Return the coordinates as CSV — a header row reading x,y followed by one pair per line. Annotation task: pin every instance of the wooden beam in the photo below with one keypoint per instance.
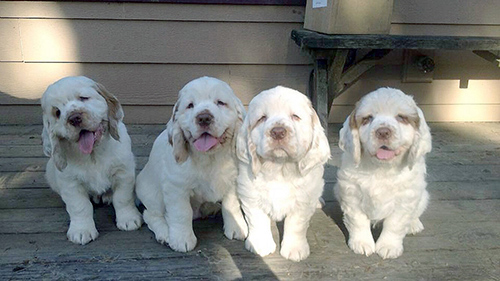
x,y
489,56
311,39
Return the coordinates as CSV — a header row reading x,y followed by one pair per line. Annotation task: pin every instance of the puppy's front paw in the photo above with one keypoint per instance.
x,y
389,249
295,251
233,230
181,242
261,246
129,219
362,246
82,234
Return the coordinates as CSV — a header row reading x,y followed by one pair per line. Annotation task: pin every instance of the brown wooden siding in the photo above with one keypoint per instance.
x,y
145,52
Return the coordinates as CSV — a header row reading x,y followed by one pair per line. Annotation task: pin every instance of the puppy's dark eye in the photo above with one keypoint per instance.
x,y
402,118
56,112
366,120
262,119
191,105
221,103
296,117
83,98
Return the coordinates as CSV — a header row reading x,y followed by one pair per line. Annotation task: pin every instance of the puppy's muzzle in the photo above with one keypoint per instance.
x,y
278,133
75,119
383,133
204,119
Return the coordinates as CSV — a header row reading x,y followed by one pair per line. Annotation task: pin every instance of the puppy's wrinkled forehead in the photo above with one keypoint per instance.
x,y
69,89
205,89
279,101
387,102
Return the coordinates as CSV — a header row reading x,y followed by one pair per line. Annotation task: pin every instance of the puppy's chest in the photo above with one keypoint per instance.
x,y
213,183
379,197
277,198
96,180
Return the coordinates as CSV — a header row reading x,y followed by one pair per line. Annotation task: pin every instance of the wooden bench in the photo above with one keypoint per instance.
x,y
330,52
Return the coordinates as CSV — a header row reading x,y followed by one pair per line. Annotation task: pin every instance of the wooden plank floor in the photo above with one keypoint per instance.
x,y
460,242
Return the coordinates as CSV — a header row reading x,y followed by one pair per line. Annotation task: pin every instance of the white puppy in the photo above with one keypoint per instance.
x,y
194,161
90,154
382,175
282,148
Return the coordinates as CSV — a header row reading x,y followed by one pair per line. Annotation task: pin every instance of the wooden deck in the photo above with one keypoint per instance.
x,y
461,240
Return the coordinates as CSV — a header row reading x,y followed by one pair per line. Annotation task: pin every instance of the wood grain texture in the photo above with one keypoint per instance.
x,y
460,240
98,41
310,39
145,84
150,11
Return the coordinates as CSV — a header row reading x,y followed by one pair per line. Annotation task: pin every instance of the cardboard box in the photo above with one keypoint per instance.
x,y
349,16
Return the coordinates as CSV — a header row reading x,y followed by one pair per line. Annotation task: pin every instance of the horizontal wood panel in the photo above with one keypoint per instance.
x,y
145,84
445,29
449,11
150,11
10,41
158,42
405,11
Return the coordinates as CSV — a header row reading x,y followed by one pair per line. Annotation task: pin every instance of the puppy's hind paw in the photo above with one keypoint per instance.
x,y
416,226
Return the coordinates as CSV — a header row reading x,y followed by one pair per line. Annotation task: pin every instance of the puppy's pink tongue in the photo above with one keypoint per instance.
x,y
86,142
205,142
385,154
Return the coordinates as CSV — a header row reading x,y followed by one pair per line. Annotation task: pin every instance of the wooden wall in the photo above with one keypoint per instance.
x,y
145,52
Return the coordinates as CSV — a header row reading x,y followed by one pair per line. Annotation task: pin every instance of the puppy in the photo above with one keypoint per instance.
x,y
282,148
90,154
382,175
194,161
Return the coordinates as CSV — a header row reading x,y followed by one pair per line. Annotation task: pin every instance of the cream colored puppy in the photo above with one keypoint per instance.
x,y
382,175
282,149
90,154
194,161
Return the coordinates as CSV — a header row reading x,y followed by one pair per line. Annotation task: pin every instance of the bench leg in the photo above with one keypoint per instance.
x,y
319,95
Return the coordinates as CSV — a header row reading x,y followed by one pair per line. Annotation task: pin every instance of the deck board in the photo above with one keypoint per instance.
x,y
460,241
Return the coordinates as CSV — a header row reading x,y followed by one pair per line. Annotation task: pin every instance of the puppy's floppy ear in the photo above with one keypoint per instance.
x,y
349,137
176,137
46,142
422,143
246,149
319,152
115,111
240,111
53,146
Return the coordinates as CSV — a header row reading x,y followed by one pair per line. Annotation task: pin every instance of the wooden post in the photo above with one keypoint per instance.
x,y
319,97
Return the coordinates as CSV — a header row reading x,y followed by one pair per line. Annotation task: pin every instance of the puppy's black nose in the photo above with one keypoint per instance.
x,y
278,133
383,133
75,119
204,119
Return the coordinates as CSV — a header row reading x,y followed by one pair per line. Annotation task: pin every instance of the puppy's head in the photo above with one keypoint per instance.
x,y
206,117
281,126
386,127
77,112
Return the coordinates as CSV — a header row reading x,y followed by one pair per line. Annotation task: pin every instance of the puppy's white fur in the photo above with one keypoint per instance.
x,y
178,177
107,165
281,178
382,175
